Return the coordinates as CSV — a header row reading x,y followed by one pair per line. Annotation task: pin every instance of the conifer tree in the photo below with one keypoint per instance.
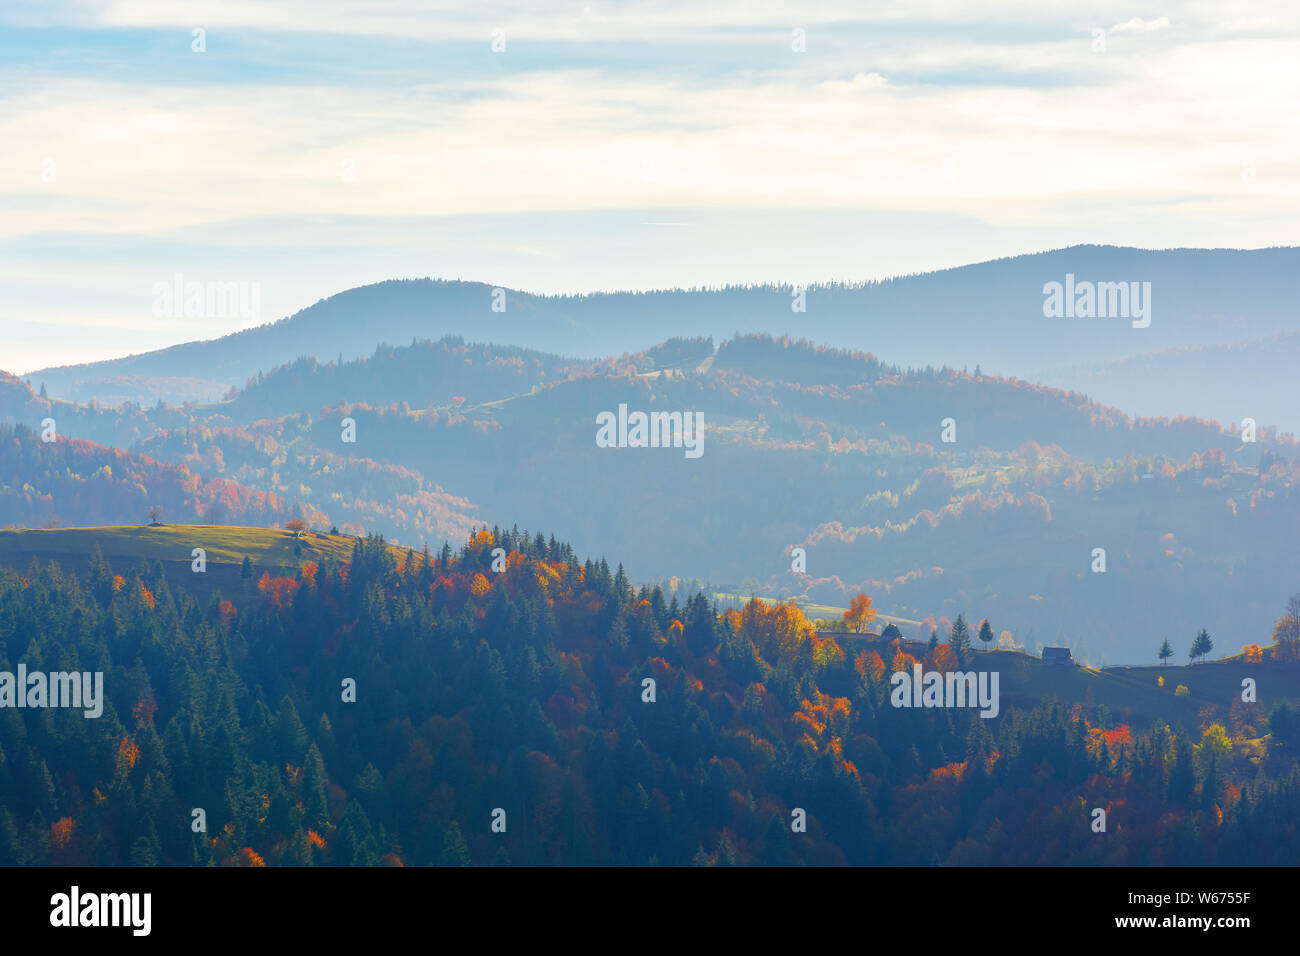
x,y
959,640
1166,652
455,852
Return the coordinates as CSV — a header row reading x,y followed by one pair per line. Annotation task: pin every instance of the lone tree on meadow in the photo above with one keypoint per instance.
x,y
986,633
1286,632
1166,652
1202,645
154,514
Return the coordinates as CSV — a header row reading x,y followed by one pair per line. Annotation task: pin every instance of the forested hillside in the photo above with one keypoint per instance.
x,y
525,691
76,482
420,376
933,489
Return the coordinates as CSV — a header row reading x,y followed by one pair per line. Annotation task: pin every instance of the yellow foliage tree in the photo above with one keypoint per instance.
x,y
790,628
902,661
1214,741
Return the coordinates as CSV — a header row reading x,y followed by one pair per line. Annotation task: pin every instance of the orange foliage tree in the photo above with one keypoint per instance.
x,y
870,666
860,615
128,752
941,659
228,614
61,832
279,590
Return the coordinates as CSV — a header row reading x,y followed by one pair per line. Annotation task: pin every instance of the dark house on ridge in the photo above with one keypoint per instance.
x,y
1058,655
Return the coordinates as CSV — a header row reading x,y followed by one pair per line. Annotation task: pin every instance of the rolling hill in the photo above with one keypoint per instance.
x,y
170,550
829,450
72,481
989,314
1254,379
1129,693
372,712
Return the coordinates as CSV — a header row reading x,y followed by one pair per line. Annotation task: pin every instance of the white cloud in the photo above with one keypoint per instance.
x,y
1138,25
1168,128
530,20
859,83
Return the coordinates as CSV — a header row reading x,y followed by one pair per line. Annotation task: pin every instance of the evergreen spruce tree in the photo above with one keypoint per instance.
x,y
1166,652
455,852
959,640
314,783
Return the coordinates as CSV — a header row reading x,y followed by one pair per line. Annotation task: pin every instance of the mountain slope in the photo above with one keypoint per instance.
x,y
989,314
387,709
1256,379
71,481
352,324
832,451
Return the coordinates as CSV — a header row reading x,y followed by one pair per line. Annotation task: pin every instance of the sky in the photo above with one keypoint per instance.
x,y
304,147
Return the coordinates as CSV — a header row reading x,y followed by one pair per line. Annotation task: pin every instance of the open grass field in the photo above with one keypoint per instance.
x,y
224,544
1137,689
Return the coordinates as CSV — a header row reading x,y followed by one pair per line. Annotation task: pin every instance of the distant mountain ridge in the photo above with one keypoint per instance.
x,y
989,314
